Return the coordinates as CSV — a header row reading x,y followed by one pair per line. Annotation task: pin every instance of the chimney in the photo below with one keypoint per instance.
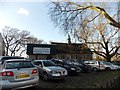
x,y
69,39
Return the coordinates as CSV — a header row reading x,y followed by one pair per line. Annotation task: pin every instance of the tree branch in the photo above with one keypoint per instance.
x,y
100,53
96,43
115,52
107,16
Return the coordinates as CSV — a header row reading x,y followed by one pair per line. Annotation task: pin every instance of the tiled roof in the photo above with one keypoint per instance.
x,y
72,48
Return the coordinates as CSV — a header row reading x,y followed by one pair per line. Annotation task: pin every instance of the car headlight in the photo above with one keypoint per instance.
x,y
53,72
72,68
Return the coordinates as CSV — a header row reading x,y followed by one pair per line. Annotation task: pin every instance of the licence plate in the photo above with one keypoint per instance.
x,y
22,76
56,74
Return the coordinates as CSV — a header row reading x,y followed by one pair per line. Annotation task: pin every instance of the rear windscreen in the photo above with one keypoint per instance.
x,y
19,64
7,58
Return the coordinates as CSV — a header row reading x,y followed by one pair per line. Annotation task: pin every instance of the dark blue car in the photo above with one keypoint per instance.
x,y
69,66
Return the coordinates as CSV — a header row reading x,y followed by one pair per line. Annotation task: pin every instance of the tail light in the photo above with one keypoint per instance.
x,y
34,71
7,73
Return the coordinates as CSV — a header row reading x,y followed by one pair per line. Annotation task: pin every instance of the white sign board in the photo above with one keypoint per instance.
x,y
39,50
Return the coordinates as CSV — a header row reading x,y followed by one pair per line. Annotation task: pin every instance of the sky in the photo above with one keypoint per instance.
x,y
30,16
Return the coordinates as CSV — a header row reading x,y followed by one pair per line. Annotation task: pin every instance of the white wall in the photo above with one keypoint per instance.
x,y
2,45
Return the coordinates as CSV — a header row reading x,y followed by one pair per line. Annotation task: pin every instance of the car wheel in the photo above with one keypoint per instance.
x,y
45,76
95,69
108,69
80,69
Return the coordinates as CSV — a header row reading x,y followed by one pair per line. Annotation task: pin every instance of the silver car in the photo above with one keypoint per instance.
x,y
18,73
111,66
49,70
95,65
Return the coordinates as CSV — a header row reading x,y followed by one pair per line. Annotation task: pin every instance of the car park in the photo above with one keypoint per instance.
x,y
18,74
68,65
49,70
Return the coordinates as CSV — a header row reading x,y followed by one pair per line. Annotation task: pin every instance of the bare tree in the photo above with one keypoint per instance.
x,y
101,41
16,40
69,15
31,40
90,23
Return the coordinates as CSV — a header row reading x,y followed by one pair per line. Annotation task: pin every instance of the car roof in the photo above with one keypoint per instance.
x,y
59,60
11,57
16,60
42,60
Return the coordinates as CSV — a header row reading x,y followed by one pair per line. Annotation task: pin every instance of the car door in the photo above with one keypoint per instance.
x,y
39,65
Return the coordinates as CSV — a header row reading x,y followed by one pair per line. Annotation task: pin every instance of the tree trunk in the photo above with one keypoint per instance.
x,y
108,58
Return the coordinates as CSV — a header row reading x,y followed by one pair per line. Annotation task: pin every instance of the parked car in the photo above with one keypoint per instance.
x,y
95,65
68,65
49,70
3,58
111,66
18,74
116,62
82,65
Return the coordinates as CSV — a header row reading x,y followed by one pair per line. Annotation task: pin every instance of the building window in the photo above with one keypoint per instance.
x,y
58,56
76,56
72,56
82,57
62,56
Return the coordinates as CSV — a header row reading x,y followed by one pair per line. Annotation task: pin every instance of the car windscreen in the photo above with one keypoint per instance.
x,y
58,62
68,62
49,63
80,61
19,64
107,63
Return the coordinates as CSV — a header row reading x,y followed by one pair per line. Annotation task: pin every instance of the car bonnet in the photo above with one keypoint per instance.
x,y
56,68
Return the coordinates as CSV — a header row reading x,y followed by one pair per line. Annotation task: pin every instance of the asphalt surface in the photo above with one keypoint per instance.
x,y
73,81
